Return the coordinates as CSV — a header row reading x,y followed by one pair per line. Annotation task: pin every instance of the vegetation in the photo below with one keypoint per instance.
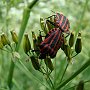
x,y
22,25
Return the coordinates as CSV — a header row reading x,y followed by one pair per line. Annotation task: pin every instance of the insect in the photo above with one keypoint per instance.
x,y
51,44
61,22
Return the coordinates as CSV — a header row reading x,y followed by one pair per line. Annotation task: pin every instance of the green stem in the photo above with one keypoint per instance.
x,y
48,83
61,68
10,74
77,85
64,72
74,75
81,18
28,73
51,82
16,84
55,72
25,19
74,55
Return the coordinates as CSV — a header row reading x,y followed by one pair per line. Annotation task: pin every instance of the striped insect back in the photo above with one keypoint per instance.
x,y
57,24
60,21
51,43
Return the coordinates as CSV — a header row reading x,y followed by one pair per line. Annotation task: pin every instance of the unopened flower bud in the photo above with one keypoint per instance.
x,y
14,36
63,44
49,63
52,18
35,63
71,40
39,38
35,46
43,25
80,86
78,45
67,50
1,44
5,39
79,34
26,44
33,35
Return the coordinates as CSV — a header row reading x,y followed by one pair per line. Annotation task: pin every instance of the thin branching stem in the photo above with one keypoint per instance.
x,y
51,82
25,19
64,72
77,85
55,72
74,55
87,63
60,85
48,76
81,18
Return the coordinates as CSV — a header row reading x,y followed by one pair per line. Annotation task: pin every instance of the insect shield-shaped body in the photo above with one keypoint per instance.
x,y
61,22
51,44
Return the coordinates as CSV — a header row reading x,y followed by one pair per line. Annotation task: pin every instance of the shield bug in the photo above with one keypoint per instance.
x,y
51,44
60,21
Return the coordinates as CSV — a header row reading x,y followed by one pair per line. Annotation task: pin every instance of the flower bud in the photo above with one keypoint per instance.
x,y
5,39
39,38
63,44
71,40
67,50
49,63
52,18
26,44
35,63
79,34
14,36
43,25
80,86
34,41
1,44
33,35
35,44
78,45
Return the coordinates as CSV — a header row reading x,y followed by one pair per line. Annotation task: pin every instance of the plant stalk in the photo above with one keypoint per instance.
x,y
74,75
81,18
25,19
64,72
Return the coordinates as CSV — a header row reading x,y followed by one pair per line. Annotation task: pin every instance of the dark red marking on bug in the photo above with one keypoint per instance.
x,y
61,22
58,45
51,43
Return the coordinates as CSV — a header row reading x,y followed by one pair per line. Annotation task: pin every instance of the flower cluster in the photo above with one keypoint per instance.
x,y
56,30
4,41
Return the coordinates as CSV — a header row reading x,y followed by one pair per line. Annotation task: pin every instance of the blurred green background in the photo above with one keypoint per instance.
x,y
78,13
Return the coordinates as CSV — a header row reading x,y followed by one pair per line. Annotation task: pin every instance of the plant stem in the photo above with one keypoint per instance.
x,y
10,74
81,18
74,55
77,85
55,72
51,82
25,19
74,75
61,68
28,73
64,72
